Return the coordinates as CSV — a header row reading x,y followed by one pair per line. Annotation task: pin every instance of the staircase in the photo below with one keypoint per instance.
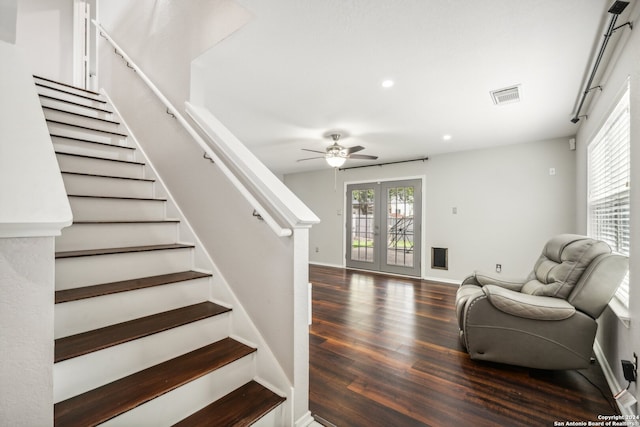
x,y
137,341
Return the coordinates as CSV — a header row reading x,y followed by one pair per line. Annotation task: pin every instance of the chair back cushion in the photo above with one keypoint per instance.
x,y
599,283
563,261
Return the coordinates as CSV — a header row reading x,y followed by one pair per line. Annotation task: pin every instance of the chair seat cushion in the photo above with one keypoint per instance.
x,y
528,306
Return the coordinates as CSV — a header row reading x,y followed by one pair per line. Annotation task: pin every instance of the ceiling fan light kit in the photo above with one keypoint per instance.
x,y
335,160
336,155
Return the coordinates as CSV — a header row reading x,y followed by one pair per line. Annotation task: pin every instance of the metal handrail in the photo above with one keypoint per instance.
x,y
209,153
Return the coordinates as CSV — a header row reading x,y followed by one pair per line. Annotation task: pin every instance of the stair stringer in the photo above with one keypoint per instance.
x,y
268,371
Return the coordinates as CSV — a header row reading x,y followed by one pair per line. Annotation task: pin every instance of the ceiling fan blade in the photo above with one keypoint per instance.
x,y
313,151
354,149
309,158
362,157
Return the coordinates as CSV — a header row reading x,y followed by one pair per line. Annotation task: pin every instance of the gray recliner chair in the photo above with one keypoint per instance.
x,y
547,321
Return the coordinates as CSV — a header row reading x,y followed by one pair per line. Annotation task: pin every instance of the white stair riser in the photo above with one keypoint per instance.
x,y
82,121
91,209
275,418
112,235
99,166
84,315
80,109
80,374
176,405
75,96
92,270
103,186
74,132
71,146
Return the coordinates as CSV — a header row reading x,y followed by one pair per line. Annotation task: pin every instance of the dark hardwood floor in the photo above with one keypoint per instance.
x,y
384,351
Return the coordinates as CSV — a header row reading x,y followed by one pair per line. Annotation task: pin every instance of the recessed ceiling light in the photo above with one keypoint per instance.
x,y
446,137
388,83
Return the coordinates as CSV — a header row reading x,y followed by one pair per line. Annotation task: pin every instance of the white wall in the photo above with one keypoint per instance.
x,y
33,204
45,32
243,247
248,254
26,331
616,340
508,205
163,38
32,196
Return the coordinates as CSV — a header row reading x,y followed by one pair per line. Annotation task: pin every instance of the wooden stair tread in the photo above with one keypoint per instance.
x,y
110,400
107,176
98,339
122,250
242,407
133,162
76,294
66,84
73,113
86,127
53,135
66,101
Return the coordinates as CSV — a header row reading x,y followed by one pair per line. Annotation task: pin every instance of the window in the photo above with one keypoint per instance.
x,y
609,196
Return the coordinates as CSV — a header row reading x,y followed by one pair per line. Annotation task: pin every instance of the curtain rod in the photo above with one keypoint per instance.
x,y
615,10
387,163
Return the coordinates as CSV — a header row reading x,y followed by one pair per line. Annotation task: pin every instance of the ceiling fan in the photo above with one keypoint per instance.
x,y
336,155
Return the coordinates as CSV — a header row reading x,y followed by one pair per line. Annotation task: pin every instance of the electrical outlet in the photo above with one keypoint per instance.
x,y
317,249
629,371
498,268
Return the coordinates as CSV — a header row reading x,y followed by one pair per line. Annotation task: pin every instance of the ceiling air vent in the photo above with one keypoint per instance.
x,y
507,95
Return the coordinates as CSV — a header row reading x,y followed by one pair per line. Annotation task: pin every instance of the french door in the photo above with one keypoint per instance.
x,y
384,226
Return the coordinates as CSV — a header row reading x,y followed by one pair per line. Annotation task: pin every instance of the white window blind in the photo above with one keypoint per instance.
x,y
609,180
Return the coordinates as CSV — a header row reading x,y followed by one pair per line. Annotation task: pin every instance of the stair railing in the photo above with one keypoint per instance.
x,y
274,192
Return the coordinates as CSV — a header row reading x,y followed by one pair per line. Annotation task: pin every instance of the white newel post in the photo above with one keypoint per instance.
x,y
301,414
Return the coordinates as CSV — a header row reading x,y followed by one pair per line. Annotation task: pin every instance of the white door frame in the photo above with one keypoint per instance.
x,y
84,44
422,178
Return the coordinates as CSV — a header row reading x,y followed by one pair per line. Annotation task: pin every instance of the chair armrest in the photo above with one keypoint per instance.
x,y
528,306
484,279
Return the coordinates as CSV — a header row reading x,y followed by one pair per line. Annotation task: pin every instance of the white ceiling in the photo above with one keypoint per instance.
x,y
301,68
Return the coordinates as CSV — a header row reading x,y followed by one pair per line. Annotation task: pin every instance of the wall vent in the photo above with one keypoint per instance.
x,y
507,95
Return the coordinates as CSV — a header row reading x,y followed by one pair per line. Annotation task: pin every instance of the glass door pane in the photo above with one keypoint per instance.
x,y
362,228
402,218
400,233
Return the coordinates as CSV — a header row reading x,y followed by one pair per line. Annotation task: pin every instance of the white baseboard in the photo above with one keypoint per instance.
x,y
614,386
443,280
325,264
431,279
306,420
